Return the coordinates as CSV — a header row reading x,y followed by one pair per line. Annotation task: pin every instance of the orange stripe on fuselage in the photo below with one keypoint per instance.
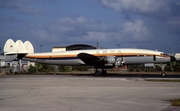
x,y
98,55
49,56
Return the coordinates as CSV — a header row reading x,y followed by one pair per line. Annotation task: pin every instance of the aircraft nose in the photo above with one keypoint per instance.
x,y
172,58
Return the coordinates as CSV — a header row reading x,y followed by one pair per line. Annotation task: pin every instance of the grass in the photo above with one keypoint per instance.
x,y
163,80
175,102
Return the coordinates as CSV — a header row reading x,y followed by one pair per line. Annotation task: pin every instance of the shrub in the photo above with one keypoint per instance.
x,y
32,69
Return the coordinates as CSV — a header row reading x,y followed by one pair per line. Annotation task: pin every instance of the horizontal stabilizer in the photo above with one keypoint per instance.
x,y
9,58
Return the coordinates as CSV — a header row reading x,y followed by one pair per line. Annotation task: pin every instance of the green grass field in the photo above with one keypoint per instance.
x,y
175,102
163,80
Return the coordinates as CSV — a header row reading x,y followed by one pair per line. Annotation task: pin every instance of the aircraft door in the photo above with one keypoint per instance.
x,y
154,58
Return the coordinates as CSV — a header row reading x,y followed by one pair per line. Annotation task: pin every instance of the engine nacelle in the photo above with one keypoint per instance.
x,y
110,59
119,62
113,60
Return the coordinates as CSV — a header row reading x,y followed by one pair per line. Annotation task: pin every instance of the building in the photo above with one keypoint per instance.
x,y
177,56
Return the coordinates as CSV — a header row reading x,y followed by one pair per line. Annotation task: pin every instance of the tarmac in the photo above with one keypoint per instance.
x,y
83,92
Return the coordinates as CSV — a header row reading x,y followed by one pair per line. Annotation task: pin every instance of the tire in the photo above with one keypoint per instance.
x,y
104,72
97,73
163,74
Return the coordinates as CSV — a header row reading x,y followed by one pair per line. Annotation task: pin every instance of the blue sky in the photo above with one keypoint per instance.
x,y
149,24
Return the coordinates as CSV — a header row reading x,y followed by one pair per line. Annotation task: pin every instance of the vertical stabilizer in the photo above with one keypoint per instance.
x,y
29,47
21,48
10,47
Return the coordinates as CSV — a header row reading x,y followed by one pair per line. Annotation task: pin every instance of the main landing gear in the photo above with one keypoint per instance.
x,y
99,73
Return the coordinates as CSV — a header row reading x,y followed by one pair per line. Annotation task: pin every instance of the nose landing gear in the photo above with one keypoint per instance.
x,y
163,72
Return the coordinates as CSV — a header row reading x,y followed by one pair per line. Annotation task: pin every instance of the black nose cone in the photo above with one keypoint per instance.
x,y
172,58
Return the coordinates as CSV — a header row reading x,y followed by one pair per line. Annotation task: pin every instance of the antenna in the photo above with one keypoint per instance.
x,y
97,43
118,45
40,48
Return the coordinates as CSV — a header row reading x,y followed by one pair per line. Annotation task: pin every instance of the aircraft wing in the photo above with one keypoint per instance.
x,y
89,59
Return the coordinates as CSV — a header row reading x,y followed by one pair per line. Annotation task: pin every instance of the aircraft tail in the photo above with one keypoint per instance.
x,y
18,48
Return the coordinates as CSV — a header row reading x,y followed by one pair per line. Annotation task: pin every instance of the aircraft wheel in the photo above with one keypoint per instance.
x,y
104,72
163,74
97,73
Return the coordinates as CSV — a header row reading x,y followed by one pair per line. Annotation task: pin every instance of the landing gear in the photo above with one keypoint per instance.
x,y
98,73
103,72
163,72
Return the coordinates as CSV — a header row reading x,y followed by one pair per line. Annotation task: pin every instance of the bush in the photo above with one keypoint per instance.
x,y
32,69
44,67
80,68
63,68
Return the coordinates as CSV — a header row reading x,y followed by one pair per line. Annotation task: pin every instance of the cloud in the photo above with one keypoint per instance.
x,y
152,19
83,29
77,26
136,31
21,6
156,8
75,20
41,34
93,36
137,6
149,22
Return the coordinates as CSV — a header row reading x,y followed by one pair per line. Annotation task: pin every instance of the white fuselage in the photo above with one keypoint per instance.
x,y
127,56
